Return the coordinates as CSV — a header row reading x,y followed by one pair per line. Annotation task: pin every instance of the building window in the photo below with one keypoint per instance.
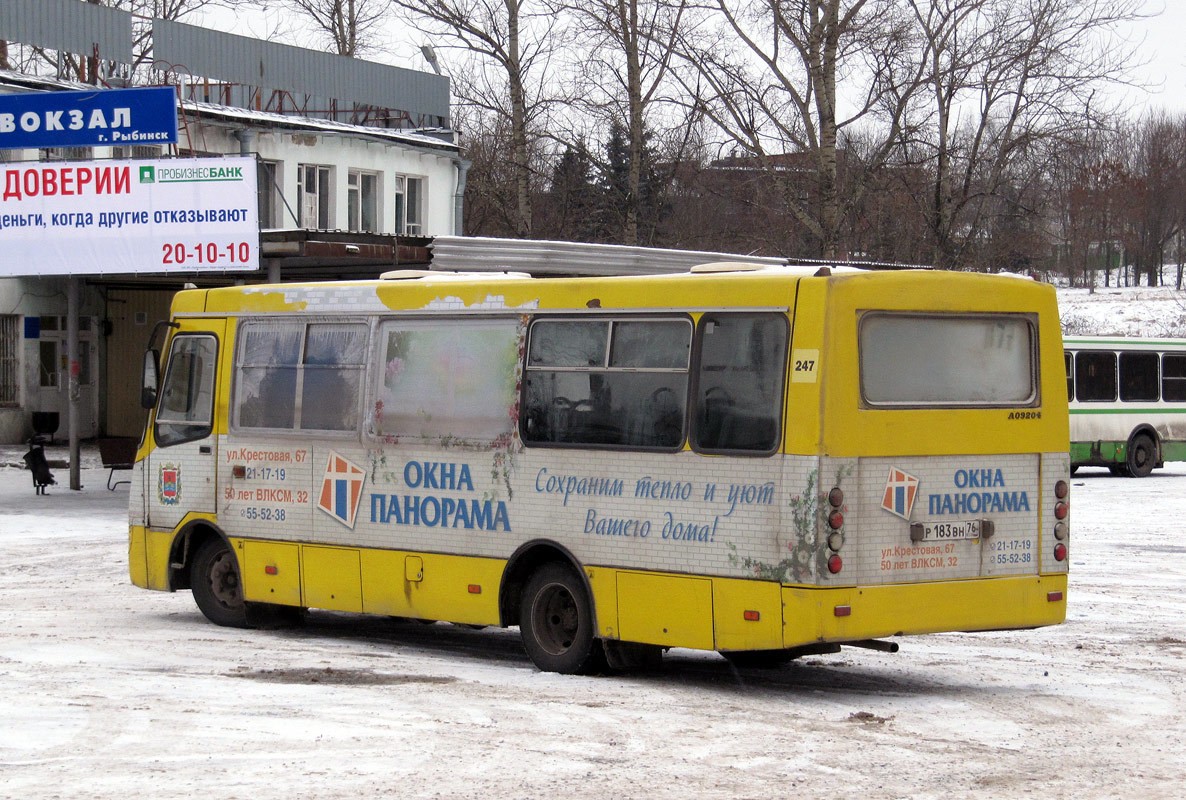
x,y
313,189
409,205
67,153
10,387
268,190
362,189
137,151
51,351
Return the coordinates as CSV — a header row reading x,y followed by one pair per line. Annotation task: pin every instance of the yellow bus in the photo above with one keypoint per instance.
x,y
762,461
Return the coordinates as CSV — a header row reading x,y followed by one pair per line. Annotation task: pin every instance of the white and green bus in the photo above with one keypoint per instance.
x,y
1127,402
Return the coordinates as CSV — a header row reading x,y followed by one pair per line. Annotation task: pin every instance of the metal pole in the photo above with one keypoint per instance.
x,y
73,371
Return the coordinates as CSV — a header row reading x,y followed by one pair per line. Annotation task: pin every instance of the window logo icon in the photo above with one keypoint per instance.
x,y
901,489
341,489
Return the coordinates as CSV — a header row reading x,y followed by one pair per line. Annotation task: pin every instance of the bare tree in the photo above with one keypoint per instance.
x,y
501,52
627,47
351,26
1005,81
1153,195
768,75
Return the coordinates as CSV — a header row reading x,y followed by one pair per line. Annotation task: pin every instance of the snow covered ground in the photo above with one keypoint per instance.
x,y
108,691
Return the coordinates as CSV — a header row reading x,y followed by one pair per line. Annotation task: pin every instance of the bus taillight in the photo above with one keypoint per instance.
x,y
1060,509
835,563
1060,552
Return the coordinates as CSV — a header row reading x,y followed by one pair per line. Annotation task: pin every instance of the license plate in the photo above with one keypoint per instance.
x,y
945,531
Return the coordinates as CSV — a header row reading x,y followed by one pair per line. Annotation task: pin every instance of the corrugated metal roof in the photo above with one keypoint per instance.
x,y
474,254
69,25
269,65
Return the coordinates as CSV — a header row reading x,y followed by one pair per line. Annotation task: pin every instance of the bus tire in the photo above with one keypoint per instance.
x,y
214,580
556,622
1142,455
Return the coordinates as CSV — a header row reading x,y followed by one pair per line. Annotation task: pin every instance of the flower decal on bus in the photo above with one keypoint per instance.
x,y
341,489
901,489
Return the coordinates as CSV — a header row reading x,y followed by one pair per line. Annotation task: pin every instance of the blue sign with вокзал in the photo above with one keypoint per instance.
x,y
102,117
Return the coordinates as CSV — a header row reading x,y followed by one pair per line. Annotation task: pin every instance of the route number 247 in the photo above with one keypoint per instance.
x,y
804,365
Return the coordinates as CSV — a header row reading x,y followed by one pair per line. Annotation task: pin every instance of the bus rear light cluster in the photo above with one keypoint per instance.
x,y
835,535
1062,507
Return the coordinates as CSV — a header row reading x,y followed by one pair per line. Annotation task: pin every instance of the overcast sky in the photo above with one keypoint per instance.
x,y
1163,38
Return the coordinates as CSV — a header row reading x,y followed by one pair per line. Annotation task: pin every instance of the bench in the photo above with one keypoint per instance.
x,y
117,452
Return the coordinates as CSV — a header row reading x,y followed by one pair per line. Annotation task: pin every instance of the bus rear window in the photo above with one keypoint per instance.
x,y
950,360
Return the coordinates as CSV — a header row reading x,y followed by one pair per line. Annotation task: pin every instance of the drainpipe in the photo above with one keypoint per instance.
x,y
246,141
459,197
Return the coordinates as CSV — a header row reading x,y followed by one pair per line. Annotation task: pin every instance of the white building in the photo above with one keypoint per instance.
x,y
336,199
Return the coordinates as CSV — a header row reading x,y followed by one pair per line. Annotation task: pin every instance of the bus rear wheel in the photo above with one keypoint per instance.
x,y
214,580
556,622
1142,456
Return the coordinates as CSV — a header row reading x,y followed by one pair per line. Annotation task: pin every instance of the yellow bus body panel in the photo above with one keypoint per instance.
x,y
455,588
138,557
270,571
331,578
668,610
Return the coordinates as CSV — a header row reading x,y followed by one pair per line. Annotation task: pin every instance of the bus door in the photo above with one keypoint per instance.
x,y
180,473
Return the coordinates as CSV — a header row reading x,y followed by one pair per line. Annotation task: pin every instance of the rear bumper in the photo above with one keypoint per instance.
x,y
839,615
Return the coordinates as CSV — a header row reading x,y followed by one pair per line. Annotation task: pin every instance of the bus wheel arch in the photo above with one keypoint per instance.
x,y
526,560
216,583
185,545
547,594
1143,452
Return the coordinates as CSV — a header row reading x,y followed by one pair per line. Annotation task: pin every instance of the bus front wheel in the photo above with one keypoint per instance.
x,y
214,579
556,622
1142,456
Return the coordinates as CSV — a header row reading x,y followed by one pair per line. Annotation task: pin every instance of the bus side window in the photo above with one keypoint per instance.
x,y
1068,362
332,372
299,375
1095,376
1173,378
739,382
187,394
614,382
265,380
1139,380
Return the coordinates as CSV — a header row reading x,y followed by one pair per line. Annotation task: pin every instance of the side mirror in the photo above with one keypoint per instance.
x,y
149,379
